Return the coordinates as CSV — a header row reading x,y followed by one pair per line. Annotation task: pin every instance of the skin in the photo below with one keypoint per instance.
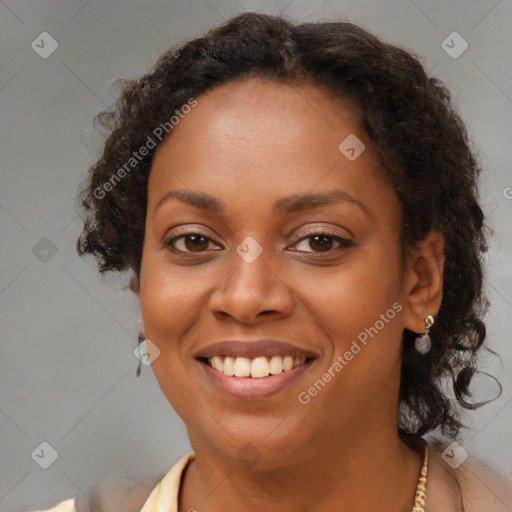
x,y
248,145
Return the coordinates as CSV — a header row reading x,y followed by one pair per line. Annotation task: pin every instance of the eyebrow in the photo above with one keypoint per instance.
x,y
285,205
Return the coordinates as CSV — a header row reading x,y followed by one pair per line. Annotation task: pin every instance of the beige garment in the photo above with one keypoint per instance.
x,y
163,498
63,506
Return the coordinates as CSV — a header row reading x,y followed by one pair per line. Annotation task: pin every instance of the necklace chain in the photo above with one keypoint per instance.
x,y
421,490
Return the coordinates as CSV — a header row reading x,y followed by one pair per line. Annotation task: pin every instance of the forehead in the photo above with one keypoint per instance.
x,y
253,112
252,137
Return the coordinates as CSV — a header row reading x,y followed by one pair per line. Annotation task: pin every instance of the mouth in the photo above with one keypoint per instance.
x,y
258,367
254,369
260,385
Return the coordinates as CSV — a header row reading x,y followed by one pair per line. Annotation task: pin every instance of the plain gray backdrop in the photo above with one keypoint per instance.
x,y
67,368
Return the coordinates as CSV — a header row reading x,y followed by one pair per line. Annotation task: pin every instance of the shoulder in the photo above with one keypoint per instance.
x,y
131,494
467,484
483,488
121,492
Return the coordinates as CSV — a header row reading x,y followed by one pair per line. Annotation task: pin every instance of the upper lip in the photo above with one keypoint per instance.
x,y
254,348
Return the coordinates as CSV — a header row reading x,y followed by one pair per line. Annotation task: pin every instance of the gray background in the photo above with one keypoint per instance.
x,y
67,368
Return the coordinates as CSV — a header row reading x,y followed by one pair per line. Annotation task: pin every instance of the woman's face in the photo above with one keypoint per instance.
x,y
246,263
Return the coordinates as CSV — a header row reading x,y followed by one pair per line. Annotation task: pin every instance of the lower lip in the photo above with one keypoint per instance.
x,y
249,388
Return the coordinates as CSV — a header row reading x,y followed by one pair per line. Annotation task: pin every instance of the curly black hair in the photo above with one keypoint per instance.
x,y
419,138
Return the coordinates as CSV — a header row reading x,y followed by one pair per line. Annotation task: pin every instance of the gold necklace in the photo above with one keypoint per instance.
x,y
421,490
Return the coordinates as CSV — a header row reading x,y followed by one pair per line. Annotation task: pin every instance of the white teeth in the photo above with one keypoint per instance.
x,y
276,365
287,363
229,366
259,368
242,367
216,363
256,368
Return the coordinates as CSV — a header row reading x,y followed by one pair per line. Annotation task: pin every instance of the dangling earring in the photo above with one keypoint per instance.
x,y
140,338
422,342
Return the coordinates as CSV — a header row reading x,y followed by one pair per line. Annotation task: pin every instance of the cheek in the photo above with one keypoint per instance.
x,y
166,294
162,303
166,301
360,302
362,290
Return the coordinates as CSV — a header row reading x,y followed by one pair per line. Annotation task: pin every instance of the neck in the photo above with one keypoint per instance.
x,y
372,471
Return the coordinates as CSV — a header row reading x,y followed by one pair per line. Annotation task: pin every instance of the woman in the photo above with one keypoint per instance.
x,y
298,207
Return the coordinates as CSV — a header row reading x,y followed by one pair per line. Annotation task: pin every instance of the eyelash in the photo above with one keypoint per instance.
x,y
344,243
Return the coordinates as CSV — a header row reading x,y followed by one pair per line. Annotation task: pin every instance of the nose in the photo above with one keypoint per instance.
x,y
251,290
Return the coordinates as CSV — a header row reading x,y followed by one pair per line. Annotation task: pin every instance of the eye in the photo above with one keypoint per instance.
x,y
191,242
323,241
320,242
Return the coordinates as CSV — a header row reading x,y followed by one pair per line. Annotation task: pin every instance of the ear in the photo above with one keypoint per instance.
x,y
423,282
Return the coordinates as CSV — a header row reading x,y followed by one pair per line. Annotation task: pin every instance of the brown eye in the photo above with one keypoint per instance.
x,y
198,242
320,242
190,242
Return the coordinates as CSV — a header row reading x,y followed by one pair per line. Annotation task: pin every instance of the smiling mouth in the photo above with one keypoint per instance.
x,y
256,367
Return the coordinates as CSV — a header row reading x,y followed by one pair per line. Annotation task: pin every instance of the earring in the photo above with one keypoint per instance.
x,y
140,338
422,342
